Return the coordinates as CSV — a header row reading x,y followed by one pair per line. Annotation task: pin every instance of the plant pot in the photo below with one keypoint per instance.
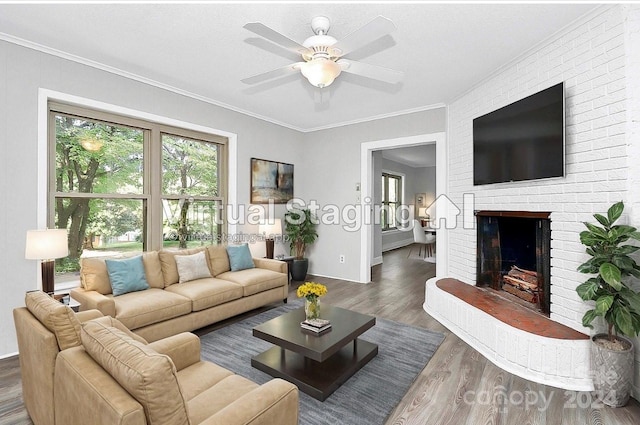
x,y
612,371
299,269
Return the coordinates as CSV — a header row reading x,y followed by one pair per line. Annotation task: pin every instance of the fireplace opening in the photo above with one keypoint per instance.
x,y
514,256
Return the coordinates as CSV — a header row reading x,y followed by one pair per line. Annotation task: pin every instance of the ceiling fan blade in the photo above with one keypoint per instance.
x,y
372,31
275,37
387,75
270,75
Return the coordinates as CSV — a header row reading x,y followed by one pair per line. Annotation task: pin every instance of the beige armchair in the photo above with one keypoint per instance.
x,y
44,328
114,378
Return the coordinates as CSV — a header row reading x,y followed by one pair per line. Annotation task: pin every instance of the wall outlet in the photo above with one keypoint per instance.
x,y
341,258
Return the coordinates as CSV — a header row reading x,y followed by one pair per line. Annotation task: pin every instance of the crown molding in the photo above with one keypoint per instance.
x,y
377,117
117,71
129,75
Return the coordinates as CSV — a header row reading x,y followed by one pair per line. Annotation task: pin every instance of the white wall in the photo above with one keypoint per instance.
x,y
331,159
22,73
590,58
416,180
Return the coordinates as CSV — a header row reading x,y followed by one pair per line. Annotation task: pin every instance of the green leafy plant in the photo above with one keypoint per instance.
x,y
610,262
300,227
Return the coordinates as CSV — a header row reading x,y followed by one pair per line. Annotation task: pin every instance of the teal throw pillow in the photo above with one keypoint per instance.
x,y
240,257
127,275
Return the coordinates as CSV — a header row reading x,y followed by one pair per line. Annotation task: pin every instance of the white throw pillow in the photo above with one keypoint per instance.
x,y
192,267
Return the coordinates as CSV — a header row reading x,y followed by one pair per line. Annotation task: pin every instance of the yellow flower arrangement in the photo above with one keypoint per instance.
x,y
311,290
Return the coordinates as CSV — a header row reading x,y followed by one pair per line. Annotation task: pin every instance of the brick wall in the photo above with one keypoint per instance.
x,y
589,56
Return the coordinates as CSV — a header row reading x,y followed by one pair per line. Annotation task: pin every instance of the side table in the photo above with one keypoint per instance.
x,y
74,304
289,260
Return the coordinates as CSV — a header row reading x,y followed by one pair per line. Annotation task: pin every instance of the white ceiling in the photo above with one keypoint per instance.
x,y
414,156
202,49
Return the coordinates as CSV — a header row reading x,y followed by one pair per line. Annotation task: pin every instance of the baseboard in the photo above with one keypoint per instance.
x,y
6,356
376,261
334,277
396,245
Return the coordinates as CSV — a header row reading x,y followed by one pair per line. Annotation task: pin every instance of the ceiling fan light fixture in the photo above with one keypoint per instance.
x,y
320,71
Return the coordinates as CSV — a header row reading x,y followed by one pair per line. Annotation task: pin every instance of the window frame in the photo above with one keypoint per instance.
x,y
151,195
386,175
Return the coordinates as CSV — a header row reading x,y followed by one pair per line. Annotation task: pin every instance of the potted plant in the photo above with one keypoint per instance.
x,y
615,301
300,228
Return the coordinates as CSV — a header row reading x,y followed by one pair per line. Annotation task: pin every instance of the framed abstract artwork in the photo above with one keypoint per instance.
x,y
271,181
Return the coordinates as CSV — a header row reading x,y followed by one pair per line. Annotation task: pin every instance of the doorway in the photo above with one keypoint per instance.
x,y
367,188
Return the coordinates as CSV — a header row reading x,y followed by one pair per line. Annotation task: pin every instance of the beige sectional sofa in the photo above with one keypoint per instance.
x,y
87,368
169,307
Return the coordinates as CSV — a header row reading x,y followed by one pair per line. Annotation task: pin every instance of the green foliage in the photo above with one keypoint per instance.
x,y
300,227
97,158
616,302
189,167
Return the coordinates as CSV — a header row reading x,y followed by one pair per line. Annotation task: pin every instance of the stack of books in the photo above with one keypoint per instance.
x,y
316,326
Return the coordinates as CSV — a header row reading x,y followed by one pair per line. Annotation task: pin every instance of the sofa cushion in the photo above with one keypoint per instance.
x,y
219,396
148,376
255,280
205,293
168,263
218,259
138,309
199,376
126,275
192,267
95,277
153,269
115,323
56,317
240,257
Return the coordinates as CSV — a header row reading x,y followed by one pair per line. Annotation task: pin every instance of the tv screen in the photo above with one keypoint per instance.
x,y
521,141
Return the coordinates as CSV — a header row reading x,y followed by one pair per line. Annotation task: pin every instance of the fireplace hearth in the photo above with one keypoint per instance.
x,y
514,256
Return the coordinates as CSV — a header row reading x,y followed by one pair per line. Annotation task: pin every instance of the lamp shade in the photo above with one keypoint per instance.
x,y
271,227
422,212
46,244
320,71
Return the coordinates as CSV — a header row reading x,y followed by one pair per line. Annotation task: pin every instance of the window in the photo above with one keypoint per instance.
x,y
391,200
122,185
191,202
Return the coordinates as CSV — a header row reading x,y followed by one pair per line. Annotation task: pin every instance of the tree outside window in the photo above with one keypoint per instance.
x,y
105,192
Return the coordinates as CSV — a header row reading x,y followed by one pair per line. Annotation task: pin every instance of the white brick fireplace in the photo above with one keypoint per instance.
x,y
595,57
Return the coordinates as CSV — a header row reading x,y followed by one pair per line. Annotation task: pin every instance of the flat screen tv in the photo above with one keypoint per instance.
x,y
521,141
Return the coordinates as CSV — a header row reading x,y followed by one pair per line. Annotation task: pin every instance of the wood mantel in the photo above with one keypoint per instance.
x,y
520,214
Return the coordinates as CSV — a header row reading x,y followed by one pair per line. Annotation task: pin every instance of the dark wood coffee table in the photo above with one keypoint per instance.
x,y
318,365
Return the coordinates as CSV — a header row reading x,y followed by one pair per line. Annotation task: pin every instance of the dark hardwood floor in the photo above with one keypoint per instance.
x,y
458,386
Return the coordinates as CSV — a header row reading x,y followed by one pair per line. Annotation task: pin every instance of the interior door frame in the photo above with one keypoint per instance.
x,y
366,178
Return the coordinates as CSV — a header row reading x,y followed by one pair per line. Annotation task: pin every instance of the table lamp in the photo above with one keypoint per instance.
x,y
270,228
46,245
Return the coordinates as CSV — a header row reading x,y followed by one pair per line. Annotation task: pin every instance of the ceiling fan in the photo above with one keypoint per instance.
x,y
323,56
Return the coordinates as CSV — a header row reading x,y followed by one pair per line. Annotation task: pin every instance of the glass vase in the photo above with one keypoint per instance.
x,y
312,308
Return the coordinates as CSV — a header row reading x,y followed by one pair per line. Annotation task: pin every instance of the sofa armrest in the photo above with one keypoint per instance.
x,y
183,349
38,351
92,300
85,316
269,264
86,394
275,402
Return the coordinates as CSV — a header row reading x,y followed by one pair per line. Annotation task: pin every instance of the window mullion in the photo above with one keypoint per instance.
x,y
154,213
